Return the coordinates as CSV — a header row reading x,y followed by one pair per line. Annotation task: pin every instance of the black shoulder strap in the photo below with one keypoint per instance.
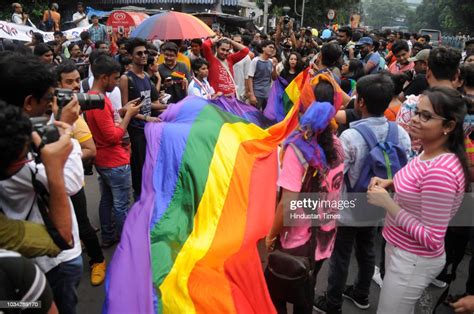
x,y
42,200
131,85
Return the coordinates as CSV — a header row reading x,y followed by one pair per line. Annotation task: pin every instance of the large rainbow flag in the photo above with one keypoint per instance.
x,y
189,245
284,96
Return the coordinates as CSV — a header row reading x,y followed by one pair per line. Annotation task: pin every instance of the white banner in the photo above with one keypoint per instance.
x,y
23,33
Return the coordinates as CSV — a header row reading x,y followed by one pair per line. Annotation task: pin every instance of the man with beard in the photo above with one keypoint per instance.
x,y
175,75
344,38
68,77
221,75
112,159
370,59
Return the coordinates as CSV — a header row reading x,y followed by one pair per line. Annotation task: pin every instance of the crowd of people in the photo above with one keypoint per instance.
x,y
400,91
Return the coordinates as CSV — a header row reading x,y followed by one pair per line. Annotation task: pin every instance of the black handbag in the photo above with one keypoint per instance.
x,y
290,277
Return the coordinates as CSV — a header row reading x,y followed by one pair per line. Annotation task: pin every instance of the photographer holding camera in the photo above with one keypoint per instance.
x,y
344,38
69,78
24,194
284,34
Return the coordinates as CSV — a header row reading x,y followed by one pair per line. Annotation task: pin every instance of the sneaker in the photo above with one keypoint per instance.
x,y
98,273
377,277
439,283
349,294
320,305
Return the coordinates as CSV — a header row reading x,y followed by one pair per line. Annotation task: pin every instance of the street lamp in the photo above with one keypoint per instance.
x,y
302,11
265,16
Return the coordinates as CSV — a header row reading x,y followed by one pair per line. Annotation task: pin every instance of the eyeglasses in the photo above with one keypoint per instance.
x,y
141,53
426,116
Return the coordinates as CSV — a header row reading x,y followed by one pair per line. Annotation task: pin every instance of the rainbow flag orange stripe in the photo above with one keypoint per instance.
x,y
299,92
189,244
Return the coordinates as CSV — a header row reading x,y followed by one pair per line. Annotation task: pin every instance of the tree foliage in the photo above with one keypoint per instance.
x,y
450,16
316,11
381,13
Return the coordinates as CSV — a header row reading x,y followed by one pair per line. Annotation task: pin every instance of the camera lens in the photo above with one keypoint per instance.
x,y
90,101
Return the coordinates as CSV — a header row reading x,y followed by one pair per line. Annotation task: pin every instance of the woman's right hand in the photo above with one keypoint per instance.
x,y
383,183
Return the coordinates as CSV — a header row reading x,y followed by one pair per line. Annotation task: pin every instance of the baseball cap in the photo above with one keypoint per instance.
x,y
365,41
421,56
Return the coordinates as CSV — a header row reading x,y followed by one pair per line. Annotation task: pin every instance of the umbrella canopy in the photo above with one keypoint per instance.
x,y
172,25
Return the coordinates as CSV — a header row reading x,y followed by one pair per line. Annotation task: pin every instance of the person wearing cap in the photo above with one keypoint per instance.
x,y
401,51
54,15
419,82
370,59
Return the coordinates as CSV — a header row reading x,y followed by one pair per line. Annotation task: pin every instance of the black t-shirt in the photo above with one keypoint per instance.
x,y
288,76
351,116
176,89
417,86
20,279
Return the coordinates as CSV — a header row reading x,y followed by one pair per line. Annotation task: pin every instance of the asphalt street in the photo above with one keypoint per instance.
x,y
91,298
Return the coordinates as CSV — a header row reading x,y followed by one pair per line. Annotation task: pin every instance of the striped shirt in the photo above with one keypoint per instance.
x,y
429,193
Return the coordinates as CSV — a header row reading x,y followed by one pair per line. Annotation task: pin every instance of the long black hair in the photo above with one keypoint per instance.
x,y
451,105
299,62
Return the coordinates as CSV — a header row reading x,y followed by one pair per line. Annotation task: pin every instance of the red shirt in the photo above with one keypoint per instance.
x,y
395,67
218,74
107,137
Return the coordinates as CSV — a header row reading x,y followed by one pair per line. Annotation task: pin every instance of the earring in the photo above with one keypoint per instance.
x,y
445,133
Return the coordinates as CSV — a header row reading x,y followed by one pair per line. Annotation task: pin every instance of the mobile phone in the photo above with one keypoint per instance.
x,y
139,101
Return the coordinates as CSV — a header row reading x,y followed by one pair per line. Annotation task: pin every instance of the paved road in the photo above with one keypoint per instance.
x,y
91,298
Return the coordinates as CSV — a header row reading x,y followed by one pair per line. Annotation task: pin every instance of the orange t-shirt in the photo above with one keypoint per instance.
x,y
55,16
391,113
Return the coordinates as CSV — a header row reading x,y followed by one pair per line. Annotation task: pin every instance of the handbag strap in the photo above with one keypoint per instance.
x,y
42,200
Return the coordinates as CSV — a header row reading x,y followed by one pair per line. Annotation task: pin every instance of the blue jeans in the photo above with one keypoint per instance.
x,y
115,186
64,280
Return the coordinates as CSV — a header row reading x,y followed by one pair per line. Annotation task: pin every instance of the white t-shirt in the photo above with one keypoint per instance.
x,y
17,197
241,72
83,23
17,18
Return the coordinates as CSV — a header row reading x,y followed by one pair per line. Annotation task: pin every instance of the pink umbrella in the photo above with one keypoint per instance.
x,y
172,25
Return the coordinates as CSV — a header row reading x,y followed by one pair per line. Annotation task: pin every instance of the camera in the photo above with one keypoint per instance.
x,y
86,101
286,19
49,133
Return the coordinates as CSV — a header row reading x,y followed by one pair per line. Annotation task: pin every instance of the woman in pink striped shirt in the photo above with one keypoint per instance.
x,y
429,190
